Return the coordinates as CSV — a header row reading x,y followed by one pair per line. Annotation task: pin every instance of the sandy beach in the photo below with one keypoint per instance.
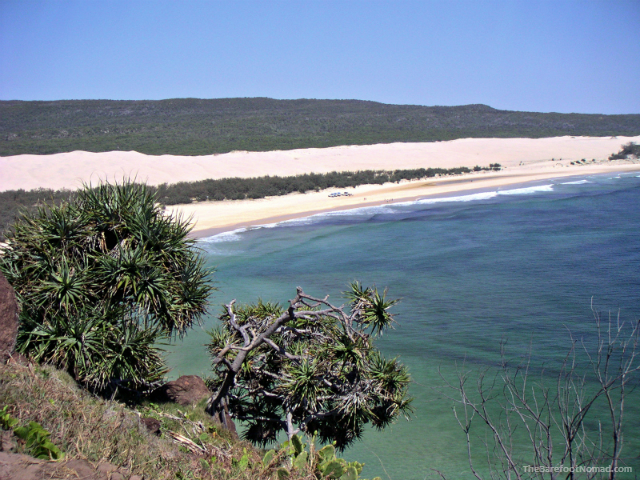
x,y
523,160
211,218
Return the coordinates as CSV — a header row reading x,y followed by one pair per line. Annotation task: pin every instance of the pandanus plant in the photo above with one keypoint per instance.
x,y
102,280
310,368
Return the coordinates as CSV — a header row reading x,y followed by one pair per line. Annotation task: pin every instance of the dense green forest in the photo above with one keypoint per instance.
x,y
12,202
260,187
197,127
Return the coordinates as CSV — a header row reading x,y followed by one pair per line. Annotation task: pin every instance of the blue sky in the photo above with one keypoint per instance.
x,y
562,56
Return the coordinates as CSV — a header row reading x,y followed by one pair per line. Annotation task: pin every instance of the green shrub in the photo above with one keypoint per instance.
x,y
293,457
37,442
630,149
36,438
311,368
102,280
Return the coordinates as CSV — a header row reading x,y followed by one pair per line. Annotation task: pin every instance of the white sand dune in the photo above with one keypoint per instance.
x,y
70,170
525,160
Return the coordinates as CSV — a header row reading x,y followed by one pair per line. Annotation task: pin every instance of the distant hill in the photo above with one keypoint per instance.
x,y
196,127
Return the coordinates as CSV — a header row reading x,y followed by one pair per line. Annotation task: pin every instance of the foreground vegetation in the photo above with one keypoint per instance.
x,y
78,425
569,419
311,368
191,126
84,426
101,281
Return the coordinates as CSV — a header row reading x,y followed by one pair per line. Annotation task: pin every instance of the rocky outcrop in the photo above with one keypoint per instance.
x,y
8,319
151,424
186,390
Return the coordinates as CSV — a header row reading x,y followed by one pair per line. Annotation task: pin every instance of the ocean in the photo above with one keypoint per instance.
x,y
520,266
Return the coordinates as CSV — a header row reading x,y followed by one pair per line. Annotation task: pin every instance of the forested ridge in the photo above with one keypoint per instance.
x,y
204,126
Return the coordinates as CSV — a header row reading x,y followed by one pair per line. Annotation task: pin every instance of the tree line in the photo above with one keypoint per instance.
x,y
268,186
12,202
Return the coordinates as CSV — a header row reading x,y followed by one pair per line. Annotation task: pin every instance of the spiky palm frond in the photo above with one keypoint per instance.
x,y
67,288
72,342
219,338
350,352
342,431
112,257
304,385
370,307
319,368
391,376
264,423
189,297
133,355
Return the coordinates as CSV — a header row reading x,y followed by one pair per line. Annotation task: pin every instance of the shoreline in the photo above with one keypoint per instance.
x,y
522,159
213,218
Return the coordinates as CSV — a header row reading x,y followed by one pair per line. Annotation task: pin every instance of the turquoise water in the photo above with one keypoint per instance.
x,y
520,265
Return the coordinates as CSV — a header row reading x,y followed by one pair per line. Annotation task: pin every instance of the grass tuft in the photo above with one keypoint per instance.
x,y
91,428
